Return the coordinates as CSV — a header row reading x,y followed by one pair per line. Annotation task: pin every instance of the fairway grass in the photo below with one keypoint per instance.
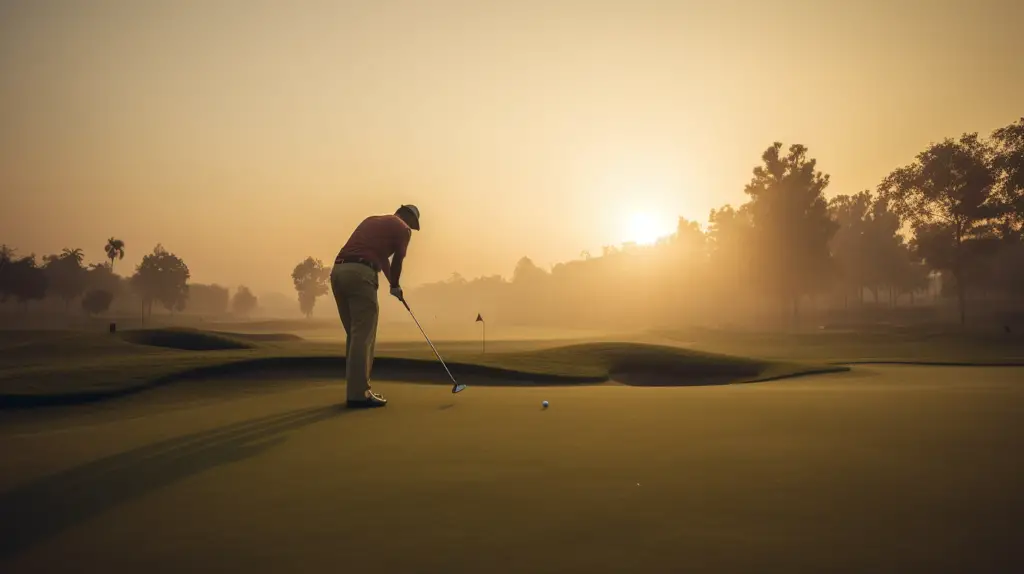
x,y
892,469
45,368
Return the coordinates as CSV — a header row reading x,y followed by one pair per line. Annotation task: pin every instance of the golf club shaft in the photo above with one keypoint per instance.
x,y
438,355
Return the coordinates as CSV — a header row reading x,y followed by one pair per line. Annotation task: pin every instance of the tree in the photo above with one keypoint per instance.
x,y
310,279
730,245
913,275
527,271
7,254
948,196
66,275
886,255
114,250
1008,269
6,259
208,299
529,286
1008,163
162,277
730,229
24,280
99,276
791,224
689,234
849,244
244,302
97,301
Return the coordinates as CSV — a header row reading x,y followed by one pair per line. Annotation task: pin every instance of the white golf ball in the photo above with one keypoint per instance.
x,y
544,404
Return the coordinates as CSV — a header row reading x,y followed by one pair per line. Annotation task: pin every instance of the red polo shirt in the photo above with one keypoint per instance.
x,y
376,239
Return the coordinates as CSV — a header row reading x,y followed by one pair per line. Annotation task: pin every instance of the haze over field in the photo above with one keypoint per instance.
x,y
719,286
245,136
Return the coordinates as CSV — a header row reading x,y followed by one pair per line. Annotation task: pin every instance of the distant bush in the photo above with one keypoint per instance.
x,y
97,301
244,302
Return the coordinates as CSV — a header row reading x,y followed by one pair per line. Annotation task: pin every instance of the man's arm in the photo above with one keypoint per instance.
x,y
396,261
396,270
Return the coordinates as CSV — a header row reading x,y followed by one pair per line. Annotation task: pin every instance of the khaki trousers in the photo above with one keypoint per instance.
x,y
355,291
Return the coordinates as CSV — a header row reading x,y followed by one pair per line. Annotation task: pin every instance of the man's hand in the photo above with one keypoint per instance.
x,y
397,293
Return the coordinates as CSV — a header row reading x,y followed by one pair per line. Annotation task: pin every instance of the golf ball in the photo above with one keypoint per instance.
x,y
544,404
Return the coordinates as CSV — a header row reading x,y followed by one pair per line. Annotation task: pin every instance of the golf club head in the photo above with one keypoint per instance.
x,y
459,387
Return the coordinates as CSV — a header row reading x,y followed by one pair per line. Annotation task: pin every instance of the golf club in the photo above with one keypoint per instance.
x,y
456,387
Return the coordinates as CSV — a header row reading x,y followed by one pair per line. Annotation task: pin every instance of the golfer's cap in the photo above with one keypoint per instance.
x,y
415,211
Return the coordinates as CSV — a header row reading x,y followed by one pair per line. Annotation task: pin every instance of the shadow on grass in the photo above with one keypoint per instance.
x,y
653,378
43,509
656,371
184,340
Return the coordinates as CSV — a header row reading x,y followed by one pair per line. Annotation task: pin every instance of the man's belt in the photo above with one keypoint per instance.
x,y
358,260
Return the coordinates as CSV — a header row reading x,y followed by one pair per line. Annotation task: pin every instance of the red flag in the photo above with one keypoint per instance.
x,y
479,319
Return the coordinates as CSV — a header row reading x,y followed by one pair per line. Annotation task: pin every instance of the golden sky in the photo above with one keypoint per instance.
x,y
245,135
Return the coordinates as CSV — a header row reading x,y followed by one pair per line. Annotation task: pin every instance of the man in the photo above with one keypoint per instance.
x,y
354,283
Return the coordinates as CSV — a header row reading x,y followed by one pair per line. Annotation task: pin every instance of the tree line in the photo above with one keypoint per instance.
x,y
161,278
952,216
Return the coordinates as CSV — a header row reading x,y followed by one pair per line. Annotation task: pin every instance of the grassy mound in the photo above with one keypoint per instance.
x,y
185,340
98,366
634,364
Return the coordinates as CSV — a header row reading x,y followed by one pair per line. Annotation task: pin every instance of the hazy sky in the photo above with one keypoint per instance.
x,y
245,135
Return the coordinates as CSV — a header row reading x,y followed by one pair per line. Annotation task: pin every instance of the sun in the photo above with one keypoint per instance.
x,y
644,228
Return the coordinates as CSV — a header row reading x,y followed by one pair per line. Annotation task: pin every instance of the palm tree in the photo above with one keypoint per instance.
x,y
77,254
115,250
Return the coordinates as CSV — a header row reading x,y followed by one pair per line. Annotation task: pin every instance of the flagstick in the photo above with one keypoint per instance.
x,y
483,336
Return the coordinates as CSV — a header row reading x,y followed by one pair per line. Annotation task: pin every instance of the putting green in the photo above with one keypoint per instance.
x,y
900,469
